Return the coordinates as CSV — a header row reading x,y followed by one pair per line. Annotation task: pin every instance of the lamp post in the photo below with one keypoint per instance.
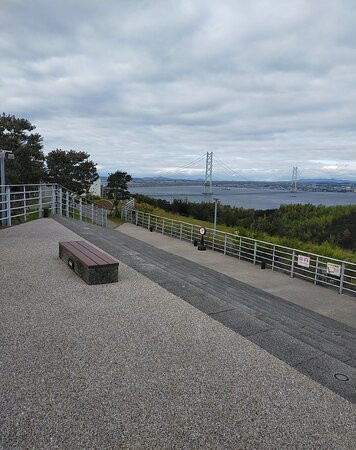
x,y
216,200
3,155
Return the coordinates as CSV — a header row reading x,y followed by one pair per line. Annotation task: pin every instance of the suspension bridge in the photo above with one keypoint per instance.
x,y
210,162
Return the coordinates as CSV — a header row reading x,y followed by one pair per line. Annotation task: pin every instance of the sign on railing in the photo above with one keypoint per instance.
x,y
24,202
318,269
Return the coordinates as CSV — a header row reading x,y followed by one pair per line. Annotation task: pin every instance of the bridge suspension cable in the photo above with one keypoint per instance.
x,y
182,168
233,171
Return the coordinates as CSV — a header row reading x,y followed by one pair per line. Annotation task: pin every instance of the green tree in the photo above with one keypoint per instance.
x,y
72,170
117,186
28,165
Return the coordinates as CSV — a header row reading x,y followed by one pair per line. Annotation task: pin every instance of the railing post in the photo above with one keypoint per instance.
x,y
180,232
148,221
24,203
316,270
292,265
92,213
172,227
8,201
102,217
191,233
40,212
67,203
342,277
60,201
136,217
80,208
273,256
53,199
240,247
162,226
255,252
106,217
225,242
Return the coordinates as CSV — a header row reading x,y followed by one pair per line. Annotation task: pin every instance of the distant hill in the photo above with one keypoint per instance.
x,y
325,181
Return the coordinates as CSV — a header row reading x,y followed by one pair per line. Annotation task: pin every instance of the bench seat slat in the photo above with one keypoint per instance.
x,y
78,254
89,256
88,252
107,258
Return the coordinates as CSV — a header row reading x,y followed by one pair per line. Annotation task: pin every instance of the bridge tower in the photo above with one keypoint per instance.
x,y
293,184
208,184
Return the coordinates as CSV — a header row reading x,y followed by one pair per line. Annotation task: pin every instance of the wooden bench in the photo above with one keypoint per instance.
x,y
92,265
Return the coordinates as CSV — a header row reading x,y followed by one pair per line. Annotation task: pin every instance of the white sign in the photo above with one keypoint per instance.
x,y
202,231
303,261
333,269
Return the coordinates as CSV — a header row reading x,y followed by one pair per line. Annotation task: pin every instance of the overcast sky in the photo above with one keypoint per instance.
x,y
148,86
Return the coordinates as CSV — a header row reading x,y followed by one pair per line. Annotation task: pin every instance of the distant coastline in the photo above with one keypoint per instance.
x,y
258,197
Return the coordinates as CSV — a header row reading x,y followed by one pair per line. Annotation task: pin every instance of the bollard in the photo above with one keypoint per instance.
x,y
263,264
195,243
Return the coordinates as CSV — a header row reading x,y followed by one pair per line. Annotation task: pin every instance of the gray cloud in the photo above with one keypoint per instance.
x,y
147,86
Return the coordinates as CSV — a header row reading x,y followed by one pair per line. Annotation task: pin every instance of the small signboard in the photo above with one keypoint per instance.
x,y
202,231
303,261
333,269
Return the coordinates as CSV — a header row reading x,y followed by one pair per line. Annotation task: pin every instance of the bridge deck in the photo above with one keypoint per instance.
x,y
132,365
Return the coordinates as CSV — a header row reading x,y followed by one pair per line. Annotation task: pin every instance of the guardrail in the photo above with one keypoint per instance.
x,y
25,201
318,269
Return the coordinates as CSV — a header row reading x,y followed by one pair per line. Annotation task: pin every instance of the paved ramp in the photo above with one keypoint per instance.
x,y
315,345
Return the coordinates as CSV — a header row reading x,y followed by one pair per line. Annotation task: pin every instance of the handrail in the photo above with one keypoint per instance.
x,y
33,198
253,240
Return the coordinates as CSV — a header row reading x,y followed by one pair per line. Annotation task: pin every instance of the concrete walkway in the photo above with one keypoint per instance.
x,y
312,343
130,365
322,300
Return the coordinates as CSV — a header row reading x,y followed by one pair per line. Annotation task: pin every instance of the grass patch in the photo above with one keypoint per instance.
x,y
325,249
116,220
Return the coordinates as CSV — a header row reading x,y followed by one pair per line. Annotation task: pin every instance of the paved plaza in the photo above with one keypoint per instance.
x,y
174,355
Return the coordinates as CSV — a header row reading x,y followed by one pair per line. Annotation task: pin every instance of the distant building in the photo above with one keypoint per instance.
x,y
95,188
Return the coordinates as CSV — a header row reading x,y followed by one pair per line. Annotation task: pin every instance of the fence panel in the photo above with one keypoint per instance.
x,y
24,202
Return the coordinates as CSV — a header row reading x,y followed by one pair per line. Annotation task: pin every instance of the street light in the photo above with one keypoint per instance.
x,y
217,201
4,154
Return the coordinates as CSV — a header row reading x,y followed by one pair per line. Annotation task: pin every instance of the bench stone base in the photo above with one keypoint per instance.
x,y
91,275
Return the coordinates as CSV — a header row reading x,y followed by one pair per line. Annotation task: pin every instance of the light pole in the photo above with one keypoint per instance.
x,y
3,155
216,200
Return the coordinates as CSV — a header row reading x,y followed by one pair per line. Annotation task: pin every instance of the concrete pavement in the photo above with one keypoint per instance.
x,y
312,343
320,299
131,365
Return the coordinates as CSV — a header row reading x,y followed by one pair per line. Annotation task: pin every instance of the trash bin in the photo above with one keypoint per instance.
x,y
46,212
263,264
195,243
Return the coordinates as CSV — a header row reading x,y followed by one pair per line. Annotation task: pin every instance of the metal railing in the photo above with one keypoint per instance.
x,y
26,201
321,270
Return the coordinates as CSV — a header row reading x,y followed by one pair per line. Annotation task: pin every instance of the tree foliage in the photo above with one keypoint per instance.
x,y
28,165
71,169
117,186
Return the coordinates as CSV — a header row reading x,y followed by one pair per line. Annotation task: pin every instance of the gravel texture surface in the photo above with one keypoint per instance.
x,y
130,365
314,344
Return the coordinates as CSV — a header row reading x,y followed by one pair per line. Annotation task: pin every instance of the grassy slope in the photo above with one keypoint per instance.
x,y
116,220
324,249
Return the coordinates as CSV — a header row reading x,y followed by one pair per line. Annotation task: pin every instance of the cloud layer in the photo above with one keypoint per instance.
x,y
147,86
